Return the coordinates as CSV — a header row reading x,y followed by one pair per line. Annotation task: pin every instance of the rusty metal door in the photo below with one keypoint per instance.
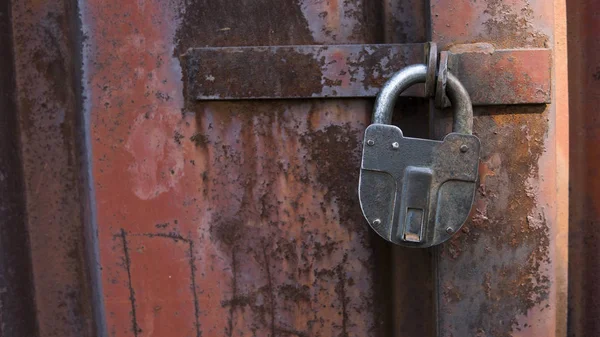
x,y
173,183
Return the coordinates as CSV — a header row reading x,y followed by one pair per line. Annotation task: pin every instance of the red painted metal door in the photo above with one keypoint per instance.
x,y
227,218
150,212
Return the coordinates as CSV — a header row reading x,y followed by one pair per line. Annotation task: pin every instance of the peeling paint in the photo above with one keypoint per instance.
x,y
336,21
513,24
503,262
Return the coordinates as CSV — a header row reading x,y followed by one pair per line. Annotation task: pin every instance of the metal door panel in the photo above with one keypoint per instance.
x,y
264,192
47,96
584,266
504,276
149,213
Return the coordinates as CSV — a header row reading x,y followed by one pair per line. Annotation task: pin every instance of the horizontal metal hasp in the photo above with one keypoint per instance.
x,y
510,76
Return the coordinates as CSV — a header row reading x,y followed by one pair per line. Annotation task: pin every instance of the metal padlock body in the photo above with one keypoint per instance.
x,y
417,192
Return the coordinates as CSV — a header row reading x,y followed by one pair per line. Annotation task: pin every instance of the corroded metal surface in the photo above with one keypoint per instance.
x,y
405,21
499,277
504,76
47,91
221,218
17,310
584,244
492,275
505,24
295,71
241,218
491,76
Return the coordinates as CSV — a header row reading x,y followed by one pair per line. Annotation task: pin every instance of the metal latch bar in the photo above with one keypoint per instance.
x,y
492,77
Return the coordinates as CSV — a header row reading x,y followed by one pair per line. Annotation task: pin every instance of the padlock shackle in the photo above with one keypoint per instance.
x,y
402,80
461,102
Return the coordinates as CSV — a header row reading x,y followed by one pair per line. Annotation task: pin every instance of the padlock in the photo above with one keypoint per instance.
x,y
418,192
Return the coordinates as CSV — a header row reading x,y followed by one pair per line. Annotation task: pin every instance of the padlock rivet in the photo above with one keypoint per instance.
x,y
395,145
449,230
370,142
376,222
464,148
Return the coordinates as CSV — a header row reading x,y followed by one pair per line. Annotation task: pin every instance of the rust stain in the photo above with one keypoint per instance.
x,y
213,75
332,152
280,72
340,76
49,123
279,245
511,23
405,21
273,22
327,28
360,70
510,79
269,233
241,218
505,246
508,247
505,24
